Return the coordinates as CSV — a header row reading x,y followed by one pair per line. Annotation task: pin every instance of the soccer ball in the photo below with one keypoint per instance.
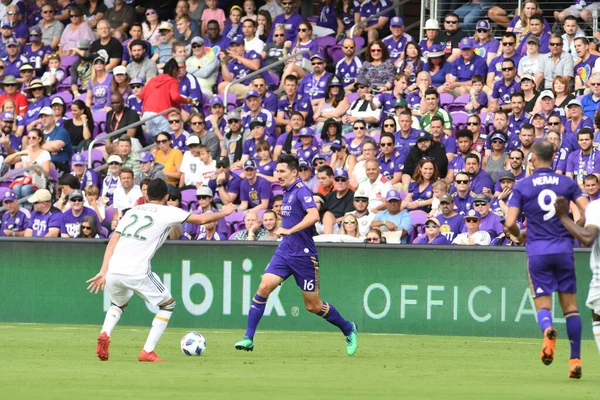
x,y
193,344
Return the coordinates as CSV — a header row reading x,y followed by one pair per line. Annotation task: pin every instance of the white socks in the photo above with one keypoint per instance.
x,y
596,330
159,324
112,317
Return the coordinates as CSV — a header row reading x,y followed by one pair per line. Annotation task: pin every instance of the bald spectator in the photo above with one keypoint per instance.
x,y
107,46
254,229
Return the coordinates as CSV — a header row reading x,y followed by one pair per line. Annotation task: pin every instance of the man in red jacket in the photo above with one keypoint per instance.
x,y
159,94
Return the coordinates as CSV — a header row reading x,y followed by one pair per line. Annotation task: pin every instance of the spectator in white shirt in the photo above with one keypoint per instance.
x,y
473,236
124,196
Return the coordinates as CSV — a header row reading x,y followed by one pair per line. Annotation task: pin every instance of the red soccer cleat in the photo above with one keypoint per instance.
x,y
102,348
547,353
149,357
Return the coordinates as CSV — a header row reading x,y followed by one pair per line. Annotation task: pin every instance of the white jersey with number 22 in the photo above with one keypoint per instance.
x,y
592,218
143,230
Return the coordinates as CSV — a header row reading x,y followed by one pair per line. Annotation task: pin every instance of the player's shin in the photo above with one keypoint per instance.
x,y
331,315
159,324
574,332
544,318
257,309
112,318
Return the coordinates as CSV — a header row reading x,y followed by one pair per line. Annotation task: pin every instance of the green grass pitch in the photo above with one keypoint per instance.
x,y
59,362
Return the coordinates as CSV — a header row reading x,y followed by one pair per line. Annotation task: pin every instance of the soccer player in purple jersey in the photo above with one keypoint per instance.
x,y
550,260
297,256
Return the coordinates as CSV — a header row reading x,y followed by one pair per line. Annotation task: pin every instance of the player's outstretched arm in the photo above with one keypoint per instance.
x,y
201,219
586,235
311,218
97,282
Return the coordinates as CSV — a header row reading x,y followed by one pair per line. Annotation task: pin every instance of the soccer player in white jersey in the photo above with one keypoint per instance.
x,y
126,267
588,235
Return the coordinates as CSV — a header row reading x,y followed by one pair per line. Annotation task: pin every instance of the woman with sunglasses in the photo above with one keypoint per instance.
x,y
350,226
420,192
439,69
332,130
81,126
300,65
378,69
359,130
89,228
33,155
203,65
389,125
150,26
37,101
334,104
100,86
273,51
169,157
93,10
374,236
432,234
486,45
341,159
474,126
73,32
562,94
496,162
530,93
412,62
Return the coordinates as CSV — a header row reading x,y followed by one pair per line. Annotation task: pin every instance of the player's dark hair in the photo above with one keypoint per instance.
x,y
543,150
157,189
290,160
464,133
585,131
326,169
591,177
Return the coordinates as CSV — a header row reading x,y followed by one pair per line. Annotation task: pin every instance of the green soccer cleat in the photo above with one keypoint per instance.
x,y
352,340
245,344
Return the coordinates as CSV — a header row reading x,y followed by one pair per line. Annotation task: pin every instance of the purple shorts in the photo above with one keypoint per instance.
x,y
550,273
304,268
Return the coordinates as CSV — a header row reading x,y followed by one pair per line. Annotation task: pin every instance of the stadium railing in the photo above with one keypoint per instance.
x,y
19,172
123,130
262,70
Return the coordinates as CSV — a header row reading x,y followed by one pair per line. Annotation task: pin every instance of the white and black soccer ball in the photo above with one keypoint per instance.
x,y
193,344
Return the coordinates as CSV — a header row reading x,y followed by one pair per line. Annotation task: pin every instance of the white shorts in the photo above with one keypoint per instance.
x,y
593,299
148,287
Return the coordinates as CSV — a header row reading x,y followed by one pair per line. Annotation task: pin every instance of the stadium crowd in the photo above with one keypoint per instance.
x,y
413,142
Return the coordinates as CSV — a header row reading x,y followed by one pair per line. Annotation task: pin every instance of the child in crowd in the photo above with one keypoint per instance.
x,y
212,12
440,188
478,99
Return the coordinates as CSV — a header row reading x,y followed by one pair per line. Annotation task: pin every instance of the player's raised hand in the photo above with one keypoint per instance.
x,y
562,207
96,283
229,209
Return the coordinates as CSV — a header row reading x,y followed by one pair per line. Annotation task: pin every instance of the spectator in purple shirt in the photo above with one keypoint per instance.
x,y
464,67
586,160
590,187
72,218
255,191
237,63
16,219
450,221
481,182
46,220
290,19
504,88
372,7
433,234
536,28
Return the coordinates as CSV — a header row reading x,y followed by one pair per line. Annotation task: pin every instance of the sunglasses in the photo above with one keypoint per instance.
x,y
358,128
376,50
1,67
203,197
234,121
371,240
432,226
222,165
99,62
508,43
361,200
451,22
12,13
37,88
595,84
555,44
471,219
86,228
479,204
136,86
196,46
171,198
508,69
150,12
482,30
174,121
302,169
198,123
340,179
161,141
114,163
461,182
287,3
318,63
279,35
553,123
386,144
77,200
48,12
349,47
302,30
472,123
388,126
318,162
498,141
350,222
10,84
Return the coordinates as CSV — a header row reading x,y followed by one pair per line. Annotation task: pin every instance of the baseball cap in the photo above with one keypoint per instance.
x,y
11,42
204,191
499,135
216,101
317,55
307,132
101,57
340,173
6,24
574,102
46,111
249,164
82,44
236,40
473,214
548,93
165,25
337,144
57,100
137,81
527,76
533,39
481,198
446,199
197,40
424,136
75,193
114,158
361,194
120,70
466,43
506,175
9,195
8,116
40,195
252,93
435,51
234,115
401,103
35,31
397,21
319,156
26,67
432,24
256,122
146,157
434,220
483,24
78,159
393,195
192,140
362,81
302,163
335,81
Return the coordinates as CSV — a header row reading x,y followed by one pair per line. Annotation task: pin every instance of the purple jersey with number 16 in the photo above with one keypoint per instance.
x,y
535,196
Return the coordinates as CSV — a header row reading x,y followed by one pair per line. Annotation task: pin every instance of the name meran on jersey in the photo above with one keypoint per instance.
x,y
545,180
